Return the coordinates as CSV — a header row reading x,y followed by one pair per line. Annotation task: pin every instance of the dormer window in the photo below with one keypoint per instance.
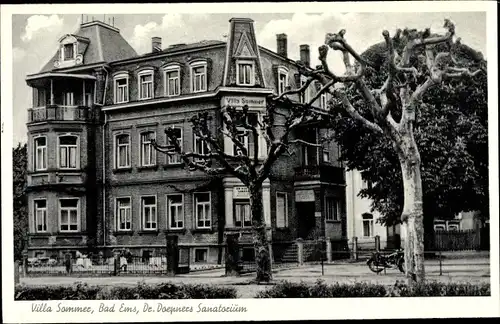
x,y
121,87
172,80
146,87
282,80
69,52
245,74
199,76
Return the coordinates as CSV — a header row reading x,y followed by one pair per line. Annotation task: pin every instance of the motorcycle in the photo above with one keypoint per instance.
x,y
378,261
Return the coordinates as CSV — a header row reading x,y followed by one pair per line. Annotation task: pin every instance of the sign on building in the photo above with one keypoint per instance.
x,y
241,193
240,101
304,195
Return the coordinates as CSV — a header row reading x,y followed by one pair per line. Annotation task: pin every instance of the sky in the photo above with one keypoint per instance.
x,y
35,37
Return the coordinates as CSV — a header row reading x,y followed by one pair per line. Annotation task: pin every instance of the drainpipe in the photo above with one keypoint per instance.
x,y
104,164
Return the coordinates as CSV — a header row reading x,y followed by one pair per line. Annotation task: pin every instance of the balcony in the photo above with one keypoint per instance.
x,y
322,172
59,113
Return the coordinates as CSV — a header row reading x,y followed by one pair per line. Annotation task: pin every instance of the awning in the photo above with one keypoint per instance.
x,y
60,75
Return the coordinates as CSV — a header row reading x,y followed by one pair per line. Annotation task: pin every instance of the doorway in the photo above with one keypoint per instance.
x,y
306,219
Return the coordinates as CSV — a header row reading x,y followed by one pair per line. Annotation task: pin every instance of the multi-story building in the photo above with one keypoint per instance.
x,y
96,182
362,222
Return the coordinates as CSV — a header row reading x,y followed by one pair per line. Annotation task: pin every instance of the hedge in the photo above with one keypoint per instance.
x,y
82,291
359,289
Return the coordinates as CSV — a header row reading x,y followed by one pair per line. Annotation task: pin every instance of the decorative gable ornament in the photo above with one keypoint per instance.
x,y
74,54
244,48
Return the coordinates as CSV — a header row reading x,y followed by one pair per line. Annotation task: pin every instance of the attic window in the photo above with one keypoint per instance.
x,y
69,52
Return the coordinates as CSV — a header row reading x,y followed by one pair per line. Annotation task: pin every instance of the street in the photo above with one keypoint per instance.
x,y
472,270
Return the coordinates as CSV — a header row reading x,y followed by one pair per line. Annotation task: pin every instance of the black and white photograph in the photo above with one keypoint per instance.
x,y
215,161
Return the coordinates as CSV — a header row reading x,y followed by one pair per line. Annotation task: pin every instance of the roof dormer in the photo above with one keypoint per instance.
x,y
71,50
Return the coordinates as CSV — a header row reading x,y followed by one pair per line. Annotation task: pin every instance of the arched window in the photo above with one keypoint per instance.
x,y
199,76
122,151
148,153
367,224
68,152
40,153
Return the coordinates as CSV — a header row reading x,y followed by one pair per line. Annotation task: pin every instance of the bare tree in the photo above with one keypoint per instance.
x,y
402,91
277,125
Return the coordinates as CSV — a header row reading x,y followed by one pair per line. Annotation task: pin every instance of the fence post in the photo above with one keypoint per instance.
x,y
172,255
232,254
355,248
300,251
116,263
328,250
377,243
68,263
271,256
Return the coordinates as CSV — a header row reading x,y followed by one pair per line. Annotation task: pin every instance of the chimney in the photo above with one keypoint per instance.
x,y
156,44
282,45
305,56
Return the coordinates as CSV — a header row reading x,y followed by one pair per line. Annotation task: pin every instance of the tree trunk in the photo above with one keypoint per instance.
x,y
412,215
262,255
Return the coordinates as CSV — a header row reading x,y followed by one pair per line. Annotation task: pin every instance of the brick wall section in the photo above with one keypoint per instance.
x,y
138,236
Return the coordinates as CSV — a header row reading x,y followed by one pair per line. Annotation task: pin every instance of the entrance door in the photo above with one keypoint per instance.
x,y
306,220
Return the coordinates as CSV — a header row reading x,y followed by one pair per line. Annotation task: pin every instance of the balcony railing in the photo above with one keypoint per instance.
x,y
322,172
58,112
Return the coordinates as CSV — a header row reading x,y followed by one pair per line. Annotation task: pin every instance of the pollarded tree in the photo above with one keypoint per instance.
x,y
451,131
392,109
277,126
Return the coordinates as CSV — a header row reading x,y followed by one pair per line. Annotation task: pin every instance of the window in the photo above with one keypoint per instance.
x,y
69,214
202,209
245,136
366,184
40,153
176,157
123,214
88,99
68,98
68,152
172,81
324,98
304,96
282,80
199,77
242,137
201,255
332,209
200,146
149,212
281,210
367,225
439,227
121,88
242,214
146,85
175,211
326,156
69,52
123,151
148,153
40,215
453,227
245,73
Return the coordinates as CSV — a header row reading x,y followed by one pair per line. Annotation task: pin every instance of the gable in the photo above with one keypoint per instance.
x,y
244,48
